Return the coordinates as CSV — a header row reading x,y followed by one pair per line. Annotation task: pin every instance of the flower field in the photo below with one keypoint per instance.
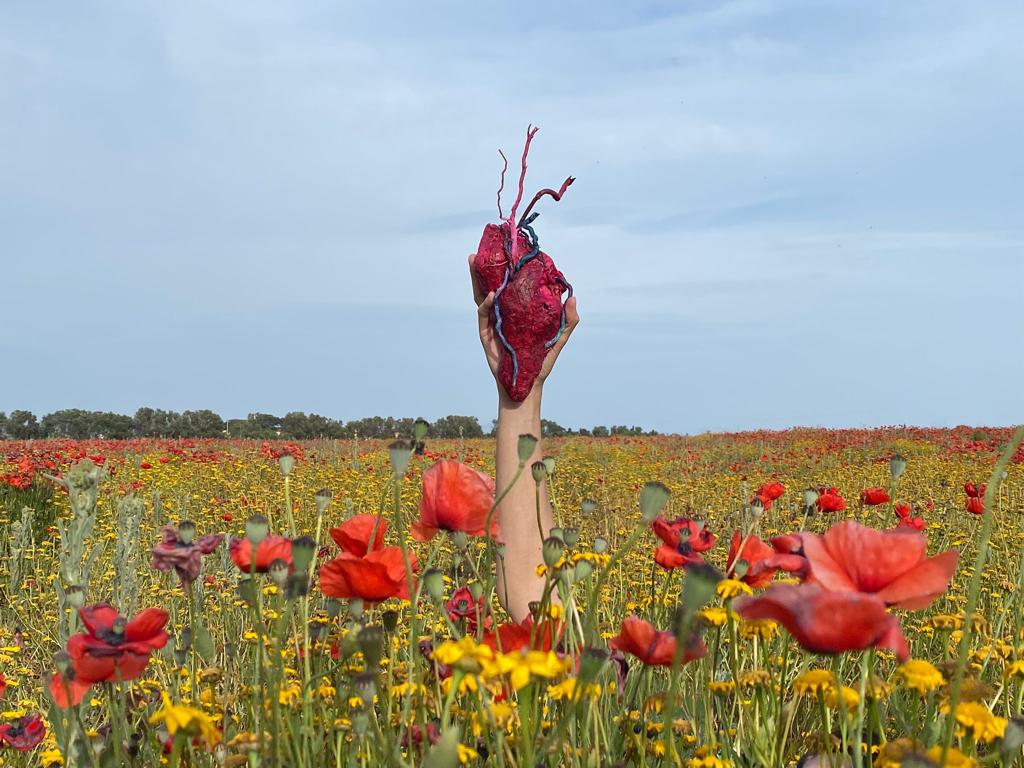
x,y
754,599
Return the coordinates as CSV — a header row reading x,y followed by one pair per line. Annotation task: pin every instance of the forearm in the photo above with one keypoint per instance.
x,y
518,583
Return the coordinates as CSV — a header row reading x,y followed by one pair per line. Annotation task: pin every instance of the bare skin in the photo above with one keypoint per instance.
x,y
518,583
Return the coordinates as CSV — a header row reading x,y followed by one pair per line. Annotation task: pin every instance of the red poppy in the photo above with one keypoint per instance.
x,y
3,685
682,541
185,559
512,636
354,534
872,497
652,647
975,491
273,547
771,491
907,518
455,498
110,649
376,577
25,733
829,500
893,565
762,561
975,505
461,606
827,622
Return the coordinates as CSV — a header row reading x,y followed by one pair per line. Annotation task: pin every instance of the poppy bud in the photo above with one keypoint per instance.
x,y
278,572
333,607
371,643
526,446
588,506
897,466
62,661
419,429
556,533
459,539
433,582
653,498
539,471
366,687
499,550
549,464
810,498
600,545
186,531
571,536
303,550
583,569
360,723
256,529
355,608
184,639
399,453
246,590
699,586
476,590
287,463
390,620
553,549
322,499
592,661
75,596
756,508
1013,737
230,650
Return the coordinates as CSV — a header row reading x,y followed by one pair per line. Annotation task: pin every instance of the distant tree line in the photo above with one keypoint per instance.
x,y
78,424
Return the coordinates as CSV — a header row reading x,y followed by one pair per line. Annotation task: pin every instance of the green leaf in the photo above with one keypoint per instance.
x,y
202,641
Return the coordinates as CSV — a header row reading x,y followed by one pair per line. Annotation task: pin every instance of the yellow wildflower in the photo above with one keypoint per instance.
x,y
730,588
188,720
920,675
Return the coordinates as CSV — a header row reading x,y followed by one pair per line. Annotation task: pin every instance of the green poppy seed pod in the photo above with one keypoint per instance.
x,y
549,464
459,539
256,529
433,582
810,498
583,569
246,590
389,619
62,661
333,607
186,532
592,661
371,643
365,684
303,551
756,509
287,463
445,753
322,499
699,585
571,536
75,596
419,429
476,590
897,466
740,568
653,498
360,724
499,550
526,446
230,650
552,550
567,575
120,624
278,572
184,639
600,545
557,533
220,754
180,656
1013,737
355,608
539,472
399,453
588,507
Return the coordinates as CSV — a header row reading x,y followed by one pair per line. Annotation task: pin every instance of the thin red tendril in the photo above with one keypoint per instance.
x,y
548,191
530,133
502,185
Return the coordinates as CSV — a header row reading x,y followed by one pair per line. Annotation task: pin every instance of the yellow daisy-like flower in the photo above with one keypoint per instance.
x,y
721,687
714,617
892,753
730,588
187,720
708,762
945,621
765,629
920,675
50,757
984,725
954,757
466,754
520,667
1014,669
755,678
814,681
850,698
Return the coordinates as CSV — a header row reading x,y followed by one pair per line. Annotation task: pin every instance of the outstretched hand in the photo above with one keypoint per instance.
x,y
489,338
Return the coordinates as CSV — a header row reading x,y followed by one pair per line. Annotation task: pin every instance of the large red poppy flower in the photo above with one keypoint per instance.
x,y
455,498
768,493
682,541
273,547
827,622
512,636
110,649
872,497
893,565
762,561
354,534
378,576
829,500
653,647
25,733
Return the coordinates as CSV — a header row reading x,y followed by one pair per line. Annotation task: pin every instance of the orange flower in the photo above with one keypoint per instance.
x,y
376,577
455,498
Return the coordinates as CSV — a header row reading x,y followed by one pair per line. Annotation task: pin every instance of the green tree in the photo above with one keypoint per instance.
x,y
23,425
600,431
3,425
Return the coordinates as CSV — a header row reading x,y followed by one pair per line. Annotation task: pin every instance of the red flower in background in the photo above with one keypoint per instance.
x,y
682,541
524,635
907,519
110,649
872,497
455,498
354,534
827,622
829,500
762,561
25,733
3,685
273,547
893,565
185,559
654,648
768,493
377,576
461,605
975,498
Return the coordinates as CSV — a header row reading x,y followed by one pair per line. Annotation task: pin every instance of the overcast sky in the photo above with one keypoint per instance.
x,y
786,213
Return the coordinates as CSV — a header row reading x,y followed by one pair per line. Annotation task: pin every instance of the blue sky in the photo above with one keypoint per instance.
x,y
786,213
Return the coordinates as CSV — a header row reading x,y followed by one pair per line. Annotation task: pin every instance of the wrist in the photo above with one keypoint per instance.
x,y
527,410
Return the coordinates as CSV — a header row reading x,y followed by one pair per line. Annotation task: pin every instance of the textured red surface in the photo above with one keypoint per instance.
x,y
531,305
